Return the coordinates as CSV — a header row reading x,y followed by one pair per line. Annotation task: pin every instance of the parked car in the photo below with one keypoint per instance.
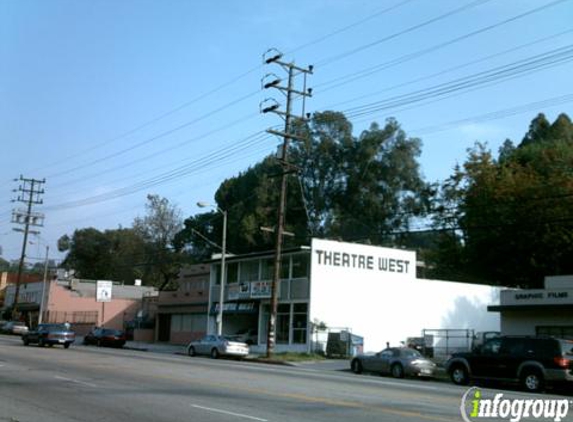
x,y
50,334
247,335
396,361
105,337
14,327
531,361
215,346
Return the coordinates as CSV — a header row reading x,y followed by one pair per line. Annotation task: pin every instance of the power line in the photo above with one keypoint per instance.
x,y
165,177
215,90
343,80
154,155
451,69
499,114
338,57
154,138
348,27
509,71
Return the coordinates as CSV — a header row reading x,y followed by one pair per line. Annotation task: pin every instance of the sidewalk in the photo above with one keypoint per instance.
x,y
166,348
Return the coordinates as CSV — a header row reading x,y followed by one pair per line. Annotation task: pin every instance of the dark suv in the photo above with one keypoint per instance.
x,y
531,361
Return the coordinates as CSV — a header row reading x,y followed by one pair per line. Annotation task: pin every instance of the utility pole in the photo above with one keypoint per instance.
x,y
273,56
29,192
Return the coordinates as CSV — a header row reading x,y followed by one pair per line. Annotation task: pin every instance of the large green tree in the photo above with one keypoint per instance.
x,y
365,188
250,200
104,255
508,220
158,228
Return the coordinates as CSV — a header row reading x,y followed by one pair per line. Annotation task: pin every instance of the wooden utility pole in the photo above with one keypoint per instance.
x,y
30,191
272,81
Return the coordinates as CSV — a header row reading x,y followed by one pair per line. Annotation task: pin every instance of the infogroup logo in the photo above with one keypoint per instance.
x,y
476,406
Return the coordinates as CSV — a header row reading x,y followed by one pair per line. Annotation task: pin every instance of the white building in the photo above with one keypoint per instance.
x,y
538,311
373,291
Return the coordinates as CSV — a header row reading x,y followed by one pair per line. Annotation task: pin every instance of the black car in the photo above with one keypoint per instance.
x,y
105,337
49,335
531,361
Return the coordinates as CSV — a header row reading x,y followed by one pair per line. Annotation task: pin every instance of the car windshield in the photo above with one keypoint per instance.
x,y
53,327
110,332
410,353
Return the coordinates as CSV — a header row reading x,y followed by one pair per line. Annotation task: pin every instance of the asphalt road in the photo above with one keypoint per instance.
x,y
94,384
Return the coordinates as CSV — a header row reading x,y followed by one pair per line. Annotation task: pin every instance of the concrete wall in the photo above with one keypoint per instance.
x,y
147,335
524,322
110,314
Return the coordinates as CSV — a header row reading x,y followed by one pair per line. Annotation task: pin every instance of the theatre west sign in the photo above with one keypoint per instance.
x,y
361,259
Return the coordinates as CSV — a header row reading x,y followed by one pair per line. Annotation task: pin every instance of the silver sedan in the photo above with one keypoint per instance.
x,y
396,361
215,346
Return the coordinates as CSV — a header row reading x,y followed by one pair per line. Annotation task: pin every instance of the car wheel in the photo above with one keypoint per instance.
x,y
459,375
41,343
356,366
66,345
214,353
191,351
26,342
99,343
397,371
532,381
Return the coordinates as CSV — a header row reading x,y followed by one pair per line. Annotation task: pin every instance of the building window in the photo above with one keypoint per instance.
x,y
177,322
299,323
249,271
565,332
267,269
188,322
217,274
232,272
300,266
283,323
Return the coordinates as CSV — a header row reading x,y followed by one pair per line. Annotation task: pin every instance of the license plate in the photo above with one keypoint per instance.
x,y
61,341
426,371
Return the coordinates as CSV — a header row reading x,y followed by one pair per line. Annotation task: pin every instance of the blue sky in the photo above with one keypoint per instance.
x,y
97,96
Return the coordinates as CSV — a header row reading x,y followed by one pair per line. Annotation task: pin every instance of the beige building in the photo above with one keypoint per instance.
x,y
532,312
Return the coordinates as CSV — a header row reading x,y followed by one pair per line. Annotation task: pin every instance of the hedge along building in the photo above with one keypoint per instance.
x,y
373,291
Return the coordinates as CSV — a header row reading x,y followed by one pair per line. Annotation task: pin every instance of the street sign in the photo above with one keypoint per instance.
x,y
103,291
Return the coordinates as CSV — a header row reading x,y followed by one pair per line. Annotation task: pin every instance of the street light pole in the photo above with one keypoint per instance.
x,y
40,317
223,253
222,289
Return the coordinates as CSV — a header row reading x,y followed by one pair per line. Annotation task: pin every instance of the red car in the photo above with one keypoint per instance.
x,y
105,337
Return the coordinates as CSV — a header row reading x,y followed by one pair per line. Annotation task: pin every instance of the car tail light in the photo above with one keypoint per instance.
x,y
561,361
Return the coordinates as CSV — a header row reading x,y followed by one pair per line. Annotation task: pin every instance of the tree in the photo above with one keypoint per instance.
x,y
376,173
510,219
108,255
158,229
250,200
333,174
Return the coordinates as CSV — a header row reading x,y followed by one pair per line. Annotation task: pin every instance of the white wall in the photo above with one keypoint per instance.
x,y
384,306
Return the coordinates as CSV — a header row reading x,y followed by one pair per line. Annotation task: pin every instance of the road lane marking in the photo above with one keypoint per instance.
x,y
74,381
225,412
